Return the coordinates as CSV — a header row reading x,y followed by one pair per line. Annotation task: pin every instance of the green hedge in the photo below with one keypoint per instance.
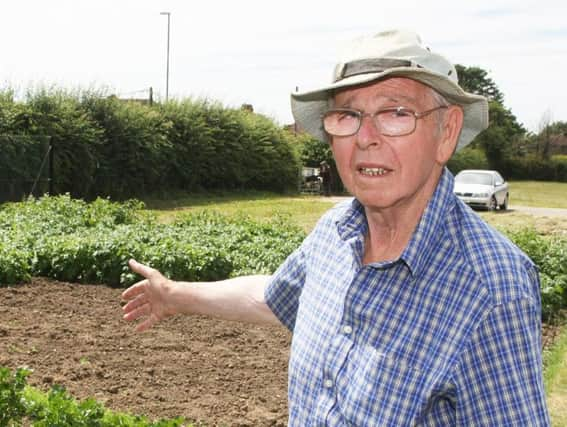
x,y
103,146
536,169
514,168
467,158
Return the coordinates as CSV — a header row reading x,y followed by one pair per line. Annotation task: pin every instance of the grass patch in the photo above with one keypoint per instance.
x,y
303,211
555,378
513,220
538,194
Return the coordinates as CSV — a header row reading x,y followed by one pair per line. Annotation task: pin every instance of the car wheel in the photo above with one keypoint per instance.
x,y
504,205
493,204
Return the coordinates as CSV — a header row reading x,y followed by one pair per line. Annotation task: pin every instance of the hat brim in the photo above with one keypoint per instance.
x,y
308,107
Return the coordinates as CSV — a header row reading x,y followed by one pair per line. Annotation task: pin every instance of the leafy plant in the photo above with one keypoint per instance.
x,y
549,254
75,241
57,408
12,402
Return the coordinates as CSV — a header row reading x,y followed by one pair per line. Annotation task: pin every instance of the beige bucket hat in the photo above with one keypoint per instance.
x,y
387,54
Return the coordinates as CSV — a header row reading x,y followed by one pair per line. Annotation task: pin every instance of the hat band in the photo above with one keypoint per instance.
x,y
373,65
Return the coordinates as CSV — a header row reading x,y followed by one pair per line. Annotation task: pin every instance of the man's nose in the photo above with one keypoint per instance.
x,y
368,134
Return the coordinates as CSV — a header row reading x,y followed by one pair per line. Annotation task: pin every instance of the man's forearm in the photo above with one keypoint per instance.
x,y
239,299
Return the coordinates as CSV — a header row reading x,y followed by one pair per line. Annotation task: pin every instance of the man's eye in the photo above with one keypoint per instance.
x,y
347,115
400,112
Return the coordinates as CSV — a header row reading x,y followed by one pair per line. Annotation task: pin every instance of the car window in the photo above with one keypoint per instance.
x,y
499,179
474,178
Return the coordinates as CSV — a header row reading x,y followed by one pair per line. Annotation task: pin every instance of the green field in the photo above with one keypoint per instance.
x,y
539,194
305,210
301,210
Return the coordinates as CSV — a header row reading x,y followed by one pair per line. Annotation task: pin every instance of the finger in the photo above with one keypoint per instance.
x,y
134,290
135,303
136,313
141,269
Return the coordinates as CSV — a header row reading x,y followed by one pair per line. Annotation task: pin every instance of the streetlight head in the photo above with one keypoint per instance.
x,y
164,13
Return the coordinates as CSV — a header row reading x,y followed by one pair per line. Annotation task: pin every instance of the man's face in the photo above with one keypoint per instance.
x,y
385,171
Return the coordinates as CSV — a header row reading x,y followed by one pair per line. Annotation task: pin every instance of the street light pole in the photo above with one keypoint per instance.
x,y
167,67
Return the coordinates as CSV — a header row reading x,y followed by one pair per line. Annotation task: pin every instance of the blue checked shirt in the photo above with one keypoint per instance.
x,y
448,334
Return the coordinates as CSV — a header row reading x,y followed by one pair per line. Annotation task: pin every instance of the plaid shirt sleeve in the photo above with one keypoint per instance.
x,y
283,290
498,378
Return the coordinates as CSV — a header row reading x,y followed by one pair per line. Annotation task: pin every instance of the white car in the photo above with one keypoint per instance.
x,y
482,189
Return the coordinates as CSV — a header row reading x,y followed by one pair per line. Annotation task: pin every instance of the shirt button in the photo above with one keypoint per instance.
x,y
347,329
328,383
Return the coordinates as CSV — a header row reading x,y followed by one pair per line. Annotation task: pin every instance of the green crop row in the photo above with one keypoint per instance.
x,y
550,255
21,404
71,240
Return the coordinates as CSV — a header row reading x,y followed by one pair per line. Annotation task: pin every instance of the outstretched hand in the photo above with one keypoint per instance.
x,y
147,298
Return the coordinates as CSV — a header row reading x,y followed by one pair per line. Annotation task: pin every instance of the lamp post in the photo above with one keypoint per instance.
x,y
167,67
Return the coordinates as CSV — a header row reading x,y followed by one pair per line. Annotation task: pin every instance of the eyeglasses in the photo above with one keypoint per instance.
x,y
397,121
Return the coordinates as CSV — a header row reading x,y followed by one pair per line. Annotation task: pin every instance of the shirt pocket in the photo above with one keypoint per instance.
x,y
381,389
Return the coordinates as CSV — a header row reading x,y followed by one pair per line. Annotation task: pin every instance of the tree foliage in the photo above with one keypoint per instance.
x,y
551,138
476,80
499,141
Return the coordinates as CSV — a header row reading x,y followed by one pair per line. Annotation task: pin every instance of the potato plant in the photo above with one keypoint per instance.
x,y
21,404
71,240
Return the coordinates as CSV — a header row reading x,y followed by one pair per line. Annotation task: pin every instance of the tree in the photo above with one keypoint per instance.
x,y
499,140
544,136
313,151
504,131
551,137
476,80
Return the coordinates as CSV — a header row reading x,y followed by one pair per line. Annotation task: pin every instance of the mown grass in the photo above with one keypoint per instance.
x,y
538,194
303,211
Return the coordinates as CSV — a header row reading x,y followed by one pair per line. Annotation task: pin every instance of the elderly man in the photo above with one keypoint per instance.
x,y
405,307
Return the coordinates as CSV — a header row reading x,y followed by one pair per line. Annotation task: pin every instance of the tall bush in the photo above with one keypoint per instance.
x,y
134,152
535,168
105,146
468,158
73,135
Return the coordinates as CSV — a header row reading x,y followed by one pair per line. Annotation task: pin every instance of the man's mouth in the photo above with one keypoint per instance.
x,y
372,171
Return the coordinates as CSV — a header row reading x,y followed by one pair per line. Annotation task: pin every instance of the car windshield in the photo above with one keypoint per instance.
x,y
474,178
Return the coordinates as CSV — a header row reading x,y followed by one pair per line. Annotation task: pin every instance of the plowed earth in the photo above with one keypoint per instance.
x,y
212,372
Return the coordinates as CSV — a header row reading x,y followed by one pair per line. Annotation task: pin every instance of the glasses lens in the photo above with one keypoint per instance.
x,y
341,122
395,122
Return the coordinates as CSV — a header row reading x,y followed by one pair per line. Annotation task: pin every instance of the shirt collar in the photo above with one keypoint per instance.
x,y
352,224
429,229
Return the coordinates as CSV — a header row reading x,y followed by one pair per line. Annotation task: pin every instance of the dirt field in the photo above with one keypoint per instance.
x,y
216,372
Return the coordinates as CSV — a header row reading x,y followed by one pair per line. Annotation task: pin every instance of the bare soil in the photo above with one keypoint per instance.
x,y
212,372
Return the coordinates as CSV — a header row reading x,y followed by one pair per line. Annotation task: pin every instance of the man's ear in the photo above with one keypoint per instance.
x,y
449,133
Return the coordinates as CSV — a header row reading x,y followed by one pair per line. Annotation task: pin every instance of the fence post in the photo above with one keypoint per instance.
x,y
51,168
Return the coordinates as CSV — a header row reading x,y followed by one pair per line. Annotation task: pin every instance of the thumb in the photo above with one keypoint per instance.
x,y
141,269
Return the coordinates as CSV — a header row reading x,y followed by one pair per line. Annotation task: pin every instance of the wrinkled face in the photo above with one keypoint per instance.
x,y
385,171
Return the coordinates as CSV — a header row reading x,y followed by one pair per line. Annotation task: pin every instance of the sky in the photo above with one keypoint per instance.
x,y
259,51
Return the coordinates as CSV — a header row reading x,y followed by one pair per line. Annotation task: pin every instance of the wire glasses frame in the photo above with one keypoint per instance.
x,y
395,121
